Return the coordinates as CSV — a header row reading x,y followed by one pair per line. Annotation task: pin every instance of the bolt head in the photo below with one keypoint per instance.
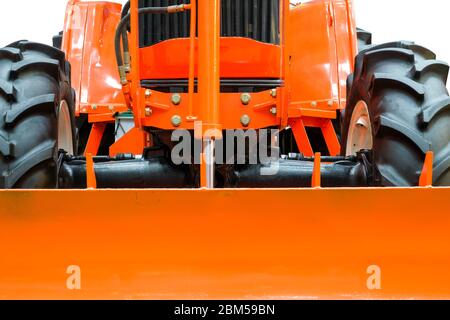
x,y
176,99
273,111
314,104
148,93
245,120
94,107
330,103
273,93
176,121
246,98
111,108
148,112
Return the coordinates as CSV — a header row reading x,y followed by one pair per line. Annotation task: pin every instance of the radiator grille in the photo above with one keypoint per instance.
x,y
254,19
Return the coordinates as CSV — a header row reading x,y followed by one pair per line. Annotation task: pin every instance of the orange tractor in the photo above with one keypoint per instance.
x,y
355,179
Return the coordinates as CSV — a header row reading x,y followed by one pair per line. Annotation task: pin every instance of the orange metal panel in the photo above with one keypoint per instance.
x,y
312,45
240,58
280,244
322,43
346,48
89,46
230,106
132,142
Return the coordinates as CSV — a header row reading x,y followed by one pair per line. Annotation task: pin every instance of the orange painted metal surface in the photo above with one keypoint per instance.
x,y
231,110
314,58
320,63
91,179
134,142
95,138
89,46
426,176
316,175
240,58
160,244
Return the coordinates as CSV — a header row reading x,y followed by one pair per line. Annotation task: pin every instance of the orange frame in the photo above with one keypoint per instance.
x,y
314,79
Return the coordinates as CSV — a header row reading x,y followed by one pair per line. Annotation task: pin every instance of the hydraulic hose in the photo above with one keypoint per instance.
x,y
121,32
125,10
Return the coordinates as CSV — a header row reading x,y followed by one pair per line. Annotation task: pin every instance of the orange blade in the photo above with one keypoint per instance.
x,y
225,244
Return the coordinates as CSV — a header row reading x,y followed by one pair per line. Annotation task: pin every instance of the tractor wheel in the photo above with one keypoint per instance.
x,y
399,107
36,115
57,40
364,39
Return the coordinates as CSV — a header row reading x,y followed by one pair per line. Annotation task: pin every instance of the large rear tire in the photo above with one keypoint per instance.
x,y
36,114
364,39
399,107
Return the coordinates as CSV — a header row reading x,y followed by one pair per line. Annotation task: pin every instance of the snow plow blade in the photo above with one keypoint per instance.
x,y
225,244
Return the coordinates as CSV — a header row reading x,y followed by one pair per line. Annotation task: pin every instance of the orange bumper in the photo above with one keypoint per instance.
x,y
225,244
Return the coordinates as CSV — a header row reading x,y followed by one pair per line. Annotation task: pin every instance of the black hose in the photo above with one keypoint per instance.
x,y
121,31
125,10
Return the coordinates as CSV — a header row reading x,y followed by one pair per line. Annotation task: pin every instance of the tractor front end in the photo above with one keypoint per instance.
x,y
226,149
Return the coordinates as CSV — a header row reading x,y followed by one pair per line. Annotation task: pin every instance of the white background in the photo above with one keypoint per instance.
x,y
425,22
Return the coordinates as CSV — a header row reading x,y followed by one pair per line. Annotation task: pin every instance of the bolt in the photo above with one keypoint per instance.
x,y
273,93
330,103
94,107
274,111
176,121
148,93
245,120
111,108
148,112
314,103
246,98
176,99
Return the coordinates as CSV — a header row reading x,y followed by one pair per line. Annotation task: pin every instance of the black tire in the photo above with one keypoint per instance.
x,y
364,39
34,79
404,88
57,40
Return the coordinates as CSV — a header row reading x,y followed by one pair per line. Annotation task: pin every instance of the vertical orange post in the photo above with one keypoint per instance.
x,y
95,138
193,37
135,63
317,176
426,177
209,83
284,91
91,179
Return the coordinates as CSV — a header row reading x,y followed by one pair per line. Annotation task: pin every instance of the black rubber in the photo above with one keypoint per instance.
x,y
57,40
34,79
405,90
364,39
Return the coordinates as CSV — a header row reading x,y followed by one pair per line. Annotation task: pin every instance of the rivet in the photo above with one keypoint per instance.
x,y
246,98
245,120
